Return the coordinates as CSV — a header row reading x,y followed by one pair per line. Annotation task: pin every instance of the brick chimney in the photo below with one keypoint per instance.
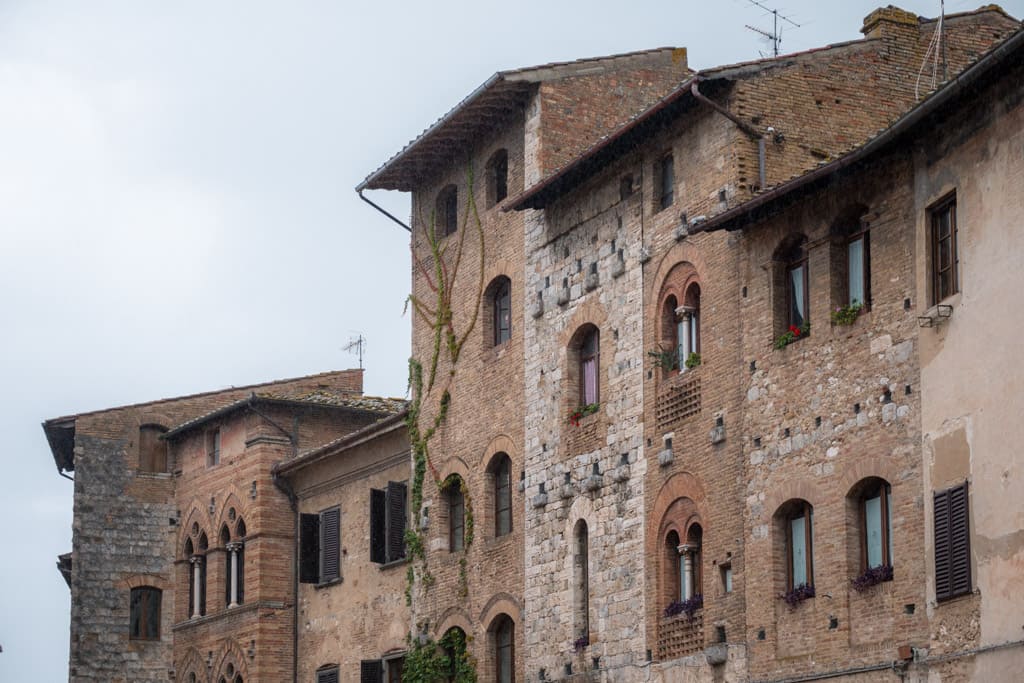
x,y
884,22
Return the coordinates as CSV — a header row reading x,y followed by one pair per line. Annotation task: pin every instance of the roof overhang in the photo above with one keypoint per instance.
x,y
383,426
60,434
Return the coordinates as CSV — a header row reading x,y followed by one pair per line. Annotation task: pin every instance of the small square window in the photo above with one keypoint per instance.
x,y
727,578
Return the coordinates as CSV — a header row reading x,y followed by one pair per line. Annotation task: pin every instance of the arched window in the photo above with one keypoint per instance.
x,y
690,562
581,570
196,556
874,503
497,177
688,328
230,675
501,306
501,470
453,644
234,573
144,610
447,211
589,367
674,568
504,649
456,513
797,517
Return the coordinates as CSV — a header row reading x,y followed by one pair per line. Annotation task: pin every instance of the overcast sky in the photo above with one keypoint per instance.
x,y
177,211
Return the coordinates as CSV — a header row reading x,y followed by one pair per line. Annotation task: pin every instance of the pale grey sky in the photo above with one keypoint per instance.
x,y
177,212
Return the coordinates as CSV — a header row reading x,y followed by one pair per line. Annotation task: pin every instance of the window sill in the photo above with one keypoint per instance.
x,y
393,563
328,583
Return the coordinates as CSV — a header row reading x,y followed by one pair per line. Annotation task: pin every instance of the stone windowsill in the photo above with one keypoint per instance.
x,y
400,562
327,584
224,613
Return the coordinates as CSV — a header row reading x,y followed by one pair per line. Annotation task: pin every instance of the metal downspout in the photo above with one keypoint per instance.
x,y
383,210
751,132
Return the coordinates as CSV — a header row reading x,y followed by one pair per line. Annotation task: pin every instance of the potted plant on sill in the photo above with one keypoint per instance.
x,y
793,334
666,360
581,412
847,315
688,607
797,595
872,577
692,361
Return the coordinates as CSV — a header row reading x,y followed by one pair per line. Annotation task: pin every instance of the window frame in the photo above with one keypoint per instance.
x,y
863,232
503,496
882,490
595,355
213,447
389,517
497,177
505,625
803,509
792,265
142,612
944,207
501,304
447,211
456,499
666,181
328,673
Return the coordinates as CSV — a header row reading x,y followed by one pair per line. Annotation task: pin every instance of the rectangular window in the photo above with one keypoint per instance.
x,y
320,546
388,513
394,666
213,447
371,671
144,620
952,543
796,288
456,518
798,532
857,268
666,182
945,262
727,578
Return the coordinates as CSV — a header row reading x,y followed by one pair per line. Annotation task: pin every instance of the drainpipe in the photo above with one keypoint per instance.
x,y
751,132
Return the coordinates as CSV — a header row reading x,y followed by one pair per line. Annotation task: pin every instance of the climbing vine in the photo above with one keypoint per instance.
x,y
427,661
430,387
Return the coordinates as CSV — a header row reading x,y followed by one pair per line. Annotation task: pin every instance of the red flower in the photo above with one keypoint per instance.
x,y
794,330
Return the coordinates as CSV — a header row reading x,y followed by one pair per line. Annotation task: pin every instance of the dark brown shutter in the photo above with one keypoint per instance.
x,y
370,671
943,589
960,541
378,531
330,544
327,675
309,548
952,543
396,521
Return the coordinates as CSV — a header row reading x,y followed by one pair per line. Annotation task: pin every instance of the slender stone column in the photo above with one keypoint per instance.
x,y
233,548
196,561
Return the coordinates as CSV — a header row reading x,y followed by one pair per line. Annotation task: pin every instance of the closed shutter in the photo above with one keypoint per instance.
x,y
952,543
329,675
330,544
309,548
378,515
396,521
960,541
371,670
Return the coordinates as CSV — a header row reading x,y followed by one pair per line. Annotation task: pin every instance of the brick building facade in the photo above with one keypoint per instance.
x,y
684,347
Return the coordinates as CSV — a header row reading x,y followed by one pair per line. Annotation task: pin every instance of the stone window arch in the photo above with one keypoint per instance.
x,y
234,563
679,318
195,554
503,636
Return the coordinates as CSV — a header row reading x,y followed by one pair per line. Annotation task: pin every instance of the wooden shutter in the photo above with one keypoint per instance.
x,y
952,543
396,521
960,541
327,675
378,522
309,548
330,544
371,671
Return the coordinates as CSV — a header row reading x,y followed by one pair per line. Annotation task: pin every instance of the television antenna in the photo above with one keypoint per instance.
x,y
775,36
357,345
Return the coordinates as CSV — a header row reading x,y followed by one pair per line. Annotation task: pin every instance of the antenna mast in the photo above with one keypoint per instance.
x,y
356,346
775,37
